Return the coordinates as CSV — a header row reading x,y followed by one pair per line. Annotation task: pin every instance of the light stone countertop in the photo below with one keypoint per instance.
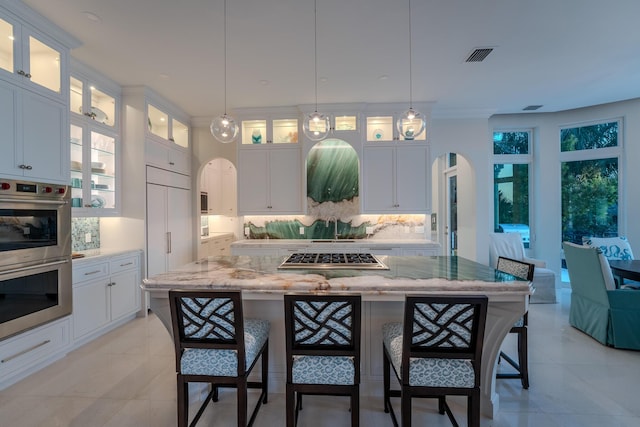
x,y
260,274
305,243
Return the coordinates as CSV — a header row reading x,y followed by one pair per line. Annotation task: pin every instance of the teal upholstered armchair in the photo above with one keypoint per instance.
x,y
609,315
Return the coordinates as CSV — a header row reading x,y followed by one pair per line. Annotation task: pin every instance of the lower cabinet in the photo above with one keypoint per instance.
x,y
104,293
30,351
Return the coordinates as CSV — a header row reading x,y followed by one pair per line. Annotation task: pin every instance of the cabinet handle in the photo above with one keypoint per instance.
x,y
27,167
20,73
27,350
125,264
168,242
111,284
92,272
171,163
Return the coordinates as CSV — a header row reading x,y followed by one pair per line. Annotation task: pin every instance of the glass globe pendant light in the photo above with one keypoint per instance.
x,y
411,123
224,128
316,125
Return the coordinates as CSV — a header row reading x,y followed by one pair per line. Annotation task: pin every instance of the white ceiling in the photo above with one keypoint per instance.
x,y
561,54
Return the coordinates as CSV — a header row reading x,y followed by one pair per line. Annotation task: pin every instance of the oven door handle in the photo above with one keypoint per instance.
x,y
33,267
36,202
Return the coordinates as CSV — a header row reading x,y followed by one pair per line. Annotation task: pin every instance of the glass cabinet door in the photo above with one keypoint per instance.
x,y
103,163
44,65
6,45
179,133
274,131
77,156
103,107
383,128
158,122
93,169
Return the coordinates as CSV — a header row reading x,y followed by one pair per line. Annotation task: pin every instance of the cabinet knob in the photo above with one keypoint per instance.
x,y
171,163
27,167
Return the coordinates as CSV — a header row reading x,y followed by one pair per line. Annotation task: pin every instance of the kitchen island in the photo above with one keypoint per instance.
x,y
263,286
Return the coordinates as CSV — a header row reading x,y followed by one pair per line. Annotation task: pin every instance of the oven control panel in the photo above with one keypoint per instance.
x,y
35,190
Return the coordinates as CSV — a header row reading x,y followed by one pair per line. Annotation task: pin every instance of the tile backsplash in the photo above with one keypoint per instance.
x,y
80,229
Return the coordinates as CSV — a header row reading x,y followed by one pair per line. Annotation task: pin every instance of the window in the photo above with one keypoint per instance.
x,y
589,178
511,188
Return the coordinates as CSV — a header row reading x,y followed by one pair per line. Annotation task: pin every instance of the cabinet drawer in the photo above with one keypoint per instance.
x,y
24,351
123,264
90,271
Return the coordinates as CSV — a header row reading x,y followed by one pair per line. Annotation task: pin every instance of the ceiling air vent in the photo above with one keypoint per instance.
x,y
531,107
479,54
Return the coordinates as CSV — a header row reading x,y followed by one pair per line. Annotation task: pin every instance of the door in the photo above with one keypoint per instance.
x,y
412,178
157,237
451,226
179,227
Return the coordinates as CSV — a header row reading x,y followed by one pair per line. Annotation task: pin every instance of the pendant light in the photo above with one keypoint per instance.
x,y
224,128
315,125
411,123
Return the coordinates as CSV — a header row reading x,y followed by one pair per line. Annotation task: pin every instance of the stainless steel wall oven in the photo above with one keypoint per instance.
x,y
35,254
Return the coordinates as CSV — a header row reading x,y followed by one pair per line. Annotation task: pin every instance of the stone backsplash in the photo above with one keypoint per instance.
x,y
80,227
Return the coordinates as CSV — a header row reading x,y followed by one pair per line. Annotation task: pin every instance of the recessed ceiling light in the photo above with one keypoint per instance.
x,y
92,17
163,76
383,77
264,82
324,79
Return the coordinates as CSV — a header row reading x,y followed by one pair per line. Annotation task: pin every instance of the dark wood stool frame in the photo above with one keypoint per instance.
x,y
409,351
294,391
236,344
522,270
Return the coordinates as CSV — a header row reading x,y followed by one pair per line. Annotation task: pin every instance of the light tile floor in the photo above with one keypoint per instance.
x,y
126,378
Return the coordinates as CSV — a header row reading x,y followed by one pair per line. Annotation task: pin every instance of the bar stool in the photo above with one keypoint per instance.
x,y
322,350
523,270
434,353
215,344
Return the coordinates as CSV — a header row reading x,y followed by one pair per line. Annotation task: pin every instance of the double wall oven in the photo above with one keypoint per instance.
x,y
35,254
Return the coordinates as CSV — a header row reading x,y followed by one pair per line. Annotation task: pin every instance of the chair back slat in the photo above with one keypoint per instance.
x,y
327,324
207,319
520,269
443,327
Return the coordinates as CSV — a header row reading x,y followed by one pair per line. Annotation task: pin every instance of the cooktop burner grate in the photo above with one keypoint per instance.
x,y
303,260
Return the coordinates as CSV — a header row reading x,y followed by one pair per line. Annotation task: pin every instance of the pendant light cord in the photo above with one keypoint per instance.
x,y
225,57
410,63
315,48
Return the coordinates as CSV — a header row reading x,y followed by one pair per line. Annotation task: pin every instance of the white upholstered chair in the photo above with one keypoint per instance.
x,y
509,245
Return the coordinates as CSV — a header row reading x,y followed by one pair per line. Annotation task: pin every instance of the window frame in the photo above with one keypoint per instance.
x,y
598,154
513,159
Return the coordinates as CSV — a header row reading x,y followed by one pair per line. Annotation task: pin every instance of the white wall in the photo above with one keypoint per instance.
x,y
469,138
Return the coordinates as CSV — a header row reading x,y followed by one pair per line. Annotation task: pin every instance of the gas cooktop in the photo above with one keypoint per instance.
x,y
312,261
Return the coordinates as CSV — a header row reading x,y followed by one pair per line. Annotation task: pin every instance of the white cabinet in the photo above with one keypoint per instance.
x,y
269,181
33,97
169,223
105,292
34,134
31,59
27,352
219,181
269,129
396,178
167,138
94,169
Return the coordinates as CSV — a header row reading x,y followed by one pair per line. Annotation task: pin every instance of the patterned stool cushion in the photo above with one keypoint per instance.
x,y
427,372
224,363
323,370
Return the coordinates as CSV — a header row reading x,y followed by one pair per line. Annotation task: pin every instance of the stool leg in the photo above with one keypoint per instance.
x,y
523,357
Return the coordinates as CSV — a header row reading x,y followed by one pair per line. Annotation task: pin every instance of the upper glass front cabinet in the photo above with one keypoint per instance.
x,y
383,128
276,131
27,56
165,126
102,107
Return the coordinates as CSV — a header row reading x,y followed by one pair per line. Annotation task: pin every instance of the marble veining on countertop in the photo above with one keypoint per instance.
x,y
435,274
